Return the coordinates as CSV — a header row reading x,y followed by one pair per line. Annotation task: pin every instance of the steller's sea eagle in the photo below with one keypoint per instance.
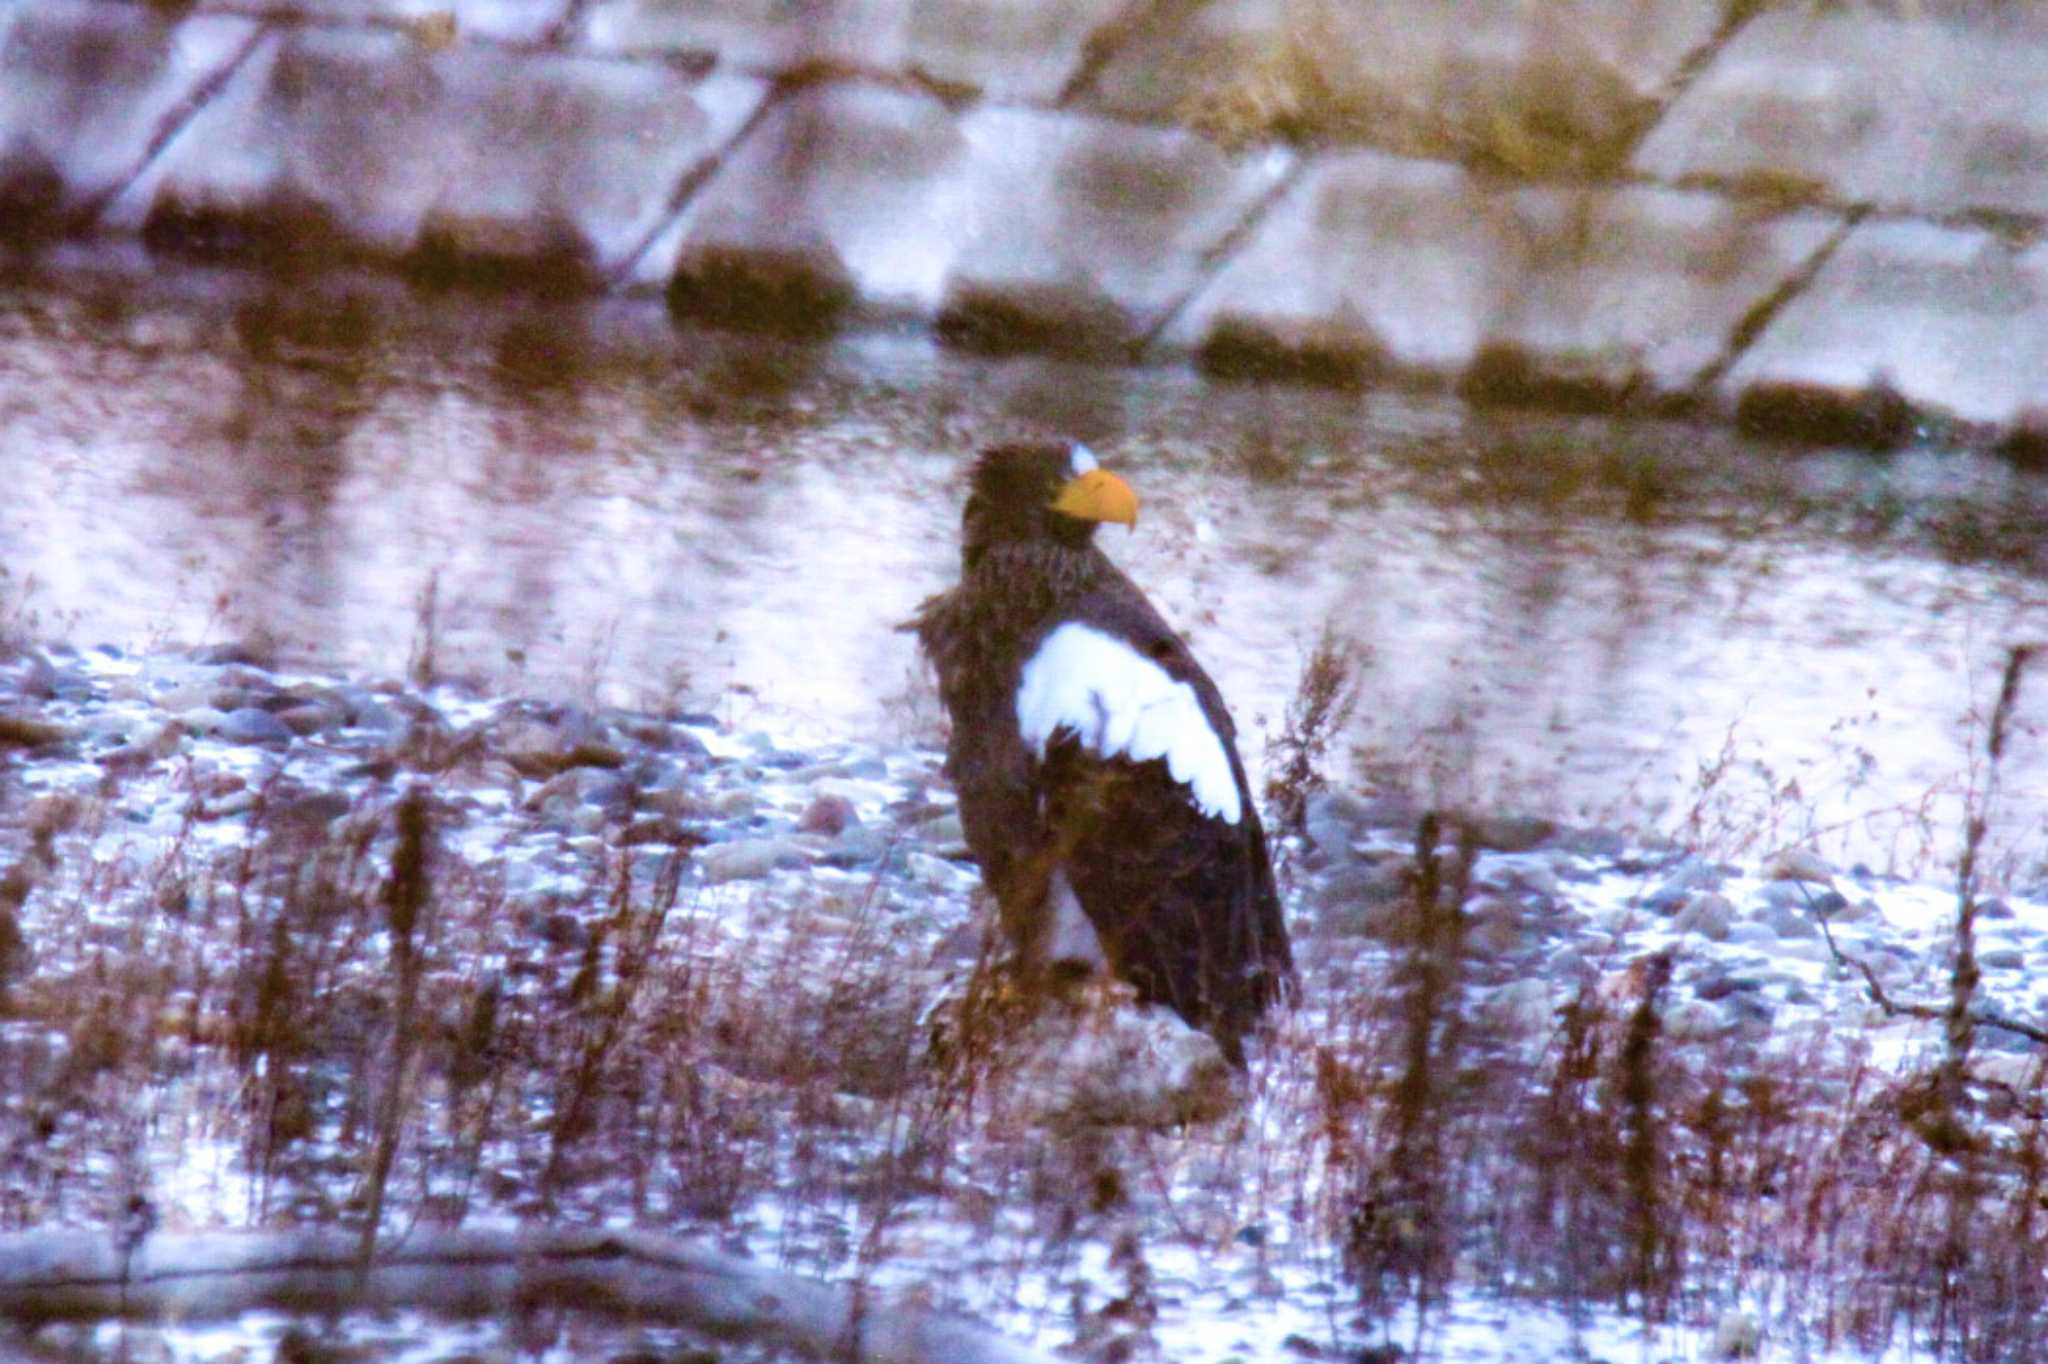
x,y
1097,769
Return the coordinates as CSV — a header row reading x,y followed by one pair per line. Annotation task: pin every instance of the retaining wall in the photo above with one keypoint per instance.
x,y
1820,220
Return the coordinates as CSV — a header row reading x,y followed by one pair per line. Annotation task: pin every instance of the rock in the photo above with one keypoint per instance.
x,y
1364,901
1799,864
852,790
1706,915
737,803
249,653
233,803
1736,1336
307,717
1752,1016
945,835
659,829
1692,875
253,725
1107,1063
857,846
1693,1020
1533,877
1511,833
1803,897
1721,985
940,875
540,748
1789,923
1601,843
1494,926
1521,1007
27,731
1751,935
364,709
562,930
2002,959
1332,819
37,679
748,859
828,814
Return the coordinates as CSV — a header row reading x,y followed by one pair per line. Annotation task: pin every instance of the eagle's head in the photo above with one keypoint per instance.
x,y
1039,493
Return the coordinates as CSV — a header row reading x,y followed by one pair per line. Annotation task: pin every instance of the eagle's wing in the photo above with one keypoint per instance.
x,y
1150,814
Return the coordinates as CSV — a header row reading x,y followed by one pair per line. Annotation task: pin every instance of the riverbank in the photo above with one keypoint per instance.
x,y
680,973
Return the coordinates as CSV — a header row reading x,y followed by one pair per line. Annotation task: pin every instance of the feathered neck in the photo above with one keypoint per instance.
x,y
1006,592
1020,581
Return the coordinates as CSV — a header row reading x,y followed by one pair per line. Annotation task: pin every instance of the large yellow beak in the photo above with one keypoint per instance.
x,y
1098,495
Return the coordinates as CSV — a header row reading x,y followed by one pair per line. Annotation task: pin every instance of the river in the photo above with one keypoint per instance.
x,y
1660,626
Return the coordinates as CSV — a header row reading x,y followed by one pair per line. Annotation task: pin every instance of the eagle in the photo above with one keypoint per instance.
x,y
1096,765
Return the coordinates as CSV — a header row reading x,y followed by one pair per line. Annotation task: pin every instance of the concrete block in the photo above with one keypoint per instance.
x,y
1005,49
1085,227
468,152
1370,255
863,179
1419,265
432,23
1620,288
1947,317
1419,76
86,89
1124,214
1938,111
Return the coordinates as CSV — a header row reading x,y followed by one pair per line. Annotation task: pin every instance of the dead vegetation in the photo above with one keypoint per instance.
x,y
355,1031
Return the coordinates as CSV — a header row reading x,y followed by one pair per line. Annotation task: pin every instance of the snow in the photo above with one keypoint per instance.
x,y
1245,1273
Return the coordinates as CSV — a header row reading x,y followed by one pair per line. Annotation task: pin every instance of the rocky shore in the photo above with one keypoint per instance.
x,y
135,784
147,750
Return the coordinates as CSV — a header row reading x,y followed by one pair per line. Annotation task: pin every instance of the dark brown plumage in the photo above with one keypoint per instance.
x,y
1094,758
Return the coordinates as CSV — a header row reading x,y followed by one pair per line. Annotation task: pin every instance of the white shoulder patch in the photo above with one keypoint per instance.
x,y
1120,703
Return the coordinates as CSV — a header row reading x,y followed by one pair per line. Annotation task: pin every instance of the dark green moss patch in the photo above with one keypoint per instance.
x,y
1506,375
798,291
1017,319
1238,348
550,256
278,232
31,200
1875,418
2026,444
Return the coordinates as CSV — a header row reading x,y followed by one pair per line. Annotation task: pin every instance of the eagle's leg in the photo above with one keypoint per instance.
x,y
1071,946
1055,941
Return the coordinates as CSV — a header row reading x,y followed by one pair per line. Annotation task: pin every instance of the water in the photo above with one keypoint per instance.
x,y
1653,625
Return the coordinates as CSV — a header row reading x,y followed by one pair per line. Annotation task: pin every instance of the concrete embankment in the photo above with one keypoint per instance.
x,y
1822,221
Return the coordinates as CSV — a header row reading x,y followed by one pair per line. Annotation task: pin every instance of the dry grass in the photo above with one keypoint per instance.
x,y
1317,75
384,1036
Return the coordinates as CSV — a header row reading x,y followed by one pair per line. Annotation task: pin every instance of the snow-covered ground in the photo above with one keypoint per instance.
x,y
684,977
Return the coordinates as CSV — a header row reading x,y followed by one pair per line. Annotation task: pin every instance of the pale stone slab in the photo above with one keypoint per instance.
x,y
1643,283
1005,49
918,204
85,89
871,176
1125,213
430,22
1932,109
1414,75
1420,264
1947,317
1371,253
383,137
